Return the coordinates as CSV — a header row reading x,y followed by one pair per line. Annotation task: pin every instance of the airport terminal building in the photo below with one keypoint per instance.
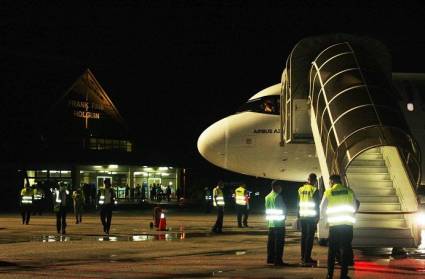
x,y
68,129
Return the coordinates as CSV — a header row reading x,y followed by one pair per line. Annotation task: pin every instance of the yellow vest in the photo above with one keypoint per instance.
x,y
26,196
340,209
218,197
307,203
240,196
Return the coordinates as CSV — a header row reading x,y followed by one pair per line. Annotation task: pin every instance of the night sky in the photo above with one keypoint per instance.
x,y
173,68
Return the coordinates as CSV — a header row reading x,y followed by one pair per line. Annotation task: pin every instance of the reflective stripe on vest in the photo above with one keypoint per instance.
x,y
26,199
101,199
275,214
58,198
240,196
37,197
307,204
340,210
208,198
220,201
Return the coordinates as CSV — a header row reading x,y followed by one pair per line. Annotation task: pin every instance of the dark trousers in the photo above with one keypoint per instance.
x,y
61,219
308,228
218,226
242,210
106,217
26,214
340,238
275,245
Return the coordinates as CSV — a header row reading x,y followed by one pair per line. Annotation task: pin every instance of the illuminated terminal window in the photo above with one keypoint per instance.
x,y
109,144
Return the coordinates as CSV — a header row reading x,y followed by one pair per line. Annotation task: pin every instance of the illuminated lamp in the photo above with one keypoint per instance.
x,y
113,166
410,107
163,168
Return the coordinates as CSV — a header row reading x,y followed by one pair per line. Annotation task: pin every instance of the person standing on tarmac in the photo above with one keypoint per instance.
x,y
27,199
218,201
38,199
338,207
275,215
242,205
60,196
308,215
106,200
78,198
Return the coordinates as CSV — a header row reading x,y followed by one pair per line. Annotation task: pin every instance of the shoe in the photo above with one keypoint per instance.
x,y
329,277
281,264
239,226
246,225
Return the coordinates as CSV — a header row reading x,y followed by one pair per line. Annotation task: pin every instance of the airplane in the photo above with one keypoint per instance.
x,y
378,154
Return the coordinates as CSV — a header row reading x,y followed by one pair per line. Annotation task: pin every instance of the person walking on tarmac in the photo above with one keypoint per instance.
x,y
242,205
275,216
78,198
308,215
106,200
38,199
60,199
27,199
338,208
218,202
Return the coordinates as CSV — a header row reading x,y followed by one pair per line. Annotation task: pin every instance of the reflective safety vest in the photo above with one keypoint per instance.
x,y
58,199
26,196
307,203
218,197
38,194
208,196
241,196
341,205
275,214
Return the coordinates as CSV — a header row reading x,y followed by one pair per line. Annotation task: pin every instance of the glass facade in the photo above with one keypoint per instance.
x,y
109,144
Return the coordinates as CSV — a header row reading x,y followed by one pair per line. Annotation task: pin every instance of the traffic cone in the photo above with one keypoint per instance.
x,y
162,223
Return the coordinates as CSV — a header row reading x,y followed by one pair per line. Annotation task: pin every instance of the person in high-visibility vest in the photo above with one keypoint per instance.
x,y
38,199
218,202
27,199
308,214
59,207
242,205
275,216
106,200
338,208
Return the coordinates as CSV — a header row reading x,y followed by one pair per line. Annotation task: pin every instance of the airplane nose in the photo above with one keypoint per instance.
x,y
212,143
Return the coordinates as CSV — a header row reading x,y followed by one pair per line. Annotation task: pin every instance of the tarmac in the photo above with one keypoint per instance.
x,y
186,250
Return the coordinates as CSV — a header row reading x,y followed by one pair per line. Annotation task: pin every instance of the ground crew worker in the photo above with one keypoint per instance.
x,y
338,207
308,214
78,198
60,199
275,216
218,202
242,205
106,200
38,199
27,199
207,199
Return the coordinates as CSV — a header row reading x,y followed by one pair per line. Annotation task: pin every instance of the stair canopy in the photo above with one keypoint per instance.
x,y
350,93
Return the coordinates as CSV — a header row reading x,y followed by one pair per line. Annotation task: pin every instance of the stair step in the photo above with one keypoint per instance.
x,y
387,223
377,233
369,156
361,216
378,198
380,207
373,191
367,169
382,242
364,183
368,176
367,162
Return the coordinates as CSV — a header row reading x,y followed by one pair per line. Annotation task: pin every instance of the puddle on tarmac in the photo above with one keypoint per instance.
x,y
113,238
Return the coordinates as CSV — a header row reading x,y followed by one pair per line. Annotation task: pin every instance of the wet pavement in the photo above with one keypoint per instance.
x,y
186,250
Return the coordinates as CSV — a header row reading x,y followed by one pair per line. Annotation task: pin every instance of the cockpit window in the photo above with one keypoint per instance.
x,y
266,104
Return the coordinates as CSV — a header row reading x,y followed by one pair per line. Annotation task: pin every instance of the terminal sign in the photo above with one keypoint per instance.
x,y
85,109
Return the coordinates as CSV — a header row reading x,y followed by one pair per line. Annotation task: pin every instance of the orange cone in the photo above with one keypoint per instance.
x,y
162,223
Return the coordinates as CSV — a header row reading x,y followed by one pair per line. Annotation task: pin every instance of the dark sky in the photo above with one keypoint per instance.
x,y
173,68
